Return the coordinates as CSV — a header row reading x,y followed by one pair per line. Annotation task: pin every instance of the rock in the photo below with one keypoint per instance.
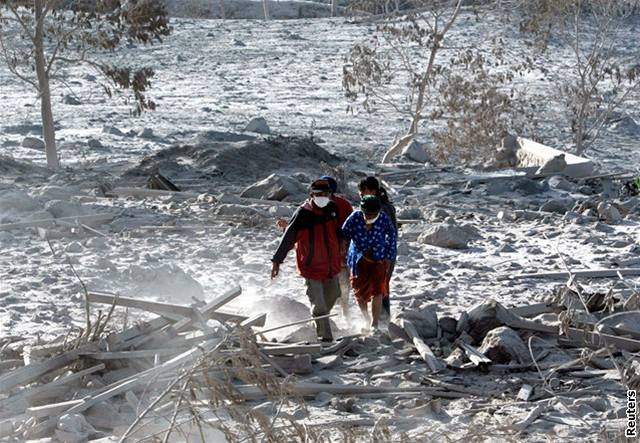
x,y
559,182
71,100
73,428
410,214
33,143
440,214
74,247
448,324
586,190
416,151
609,213
105,415
507,155
112,130
497,187
630,205
456,358
96,243
503,345
425,320
601,227
276,187
527,186
487,316
347,405
237,42
626,125
506,248
556,164
258,125
94,143
557,205
146,133
60,208
446,235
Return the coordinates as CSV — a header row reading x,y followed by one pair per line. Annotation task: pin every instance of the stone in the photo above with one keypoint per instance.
x,y
73,428
74,247
626,320
630,205
112,130
347,405
416,151
409,214
258,125
503,345
146,133
586,190
527,186
506,248
94,143
560,183
276,187
486,316
237,42
497,187
105,415
553,165
425,320
33,143
609,213
71,100
448,324
440,214
626,125
446,235
557,205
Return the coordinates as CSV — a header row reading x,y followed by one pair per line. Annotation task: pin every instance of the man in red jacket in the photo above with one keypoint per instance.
x,y
314,231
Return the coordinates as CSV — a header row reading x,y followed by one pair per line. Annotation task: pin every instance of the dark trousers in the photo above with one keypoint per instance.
x,y
322,296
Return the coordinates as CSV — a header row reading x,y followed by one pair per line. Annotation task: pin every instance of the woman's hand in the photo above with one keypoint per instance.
x,y
275,269
282,223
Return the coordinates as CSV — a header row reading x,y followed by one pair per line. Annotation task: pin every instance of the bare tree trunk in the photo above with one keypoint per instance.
x,y
265,7
334,8
223,15
43,89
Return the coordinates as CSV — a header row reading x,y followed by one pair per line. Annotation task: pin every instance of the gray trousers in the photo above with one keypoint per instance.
x,y
322,296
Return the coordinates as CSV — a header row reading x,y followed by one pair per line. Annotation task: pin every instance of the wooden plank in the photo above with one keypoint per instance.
x,y
477,357
521,323
124,355
123,386
536,309
97,218
252,392
293,350
257,320
599,340
168,310
434,363
32,372
590,273
52,409
295,323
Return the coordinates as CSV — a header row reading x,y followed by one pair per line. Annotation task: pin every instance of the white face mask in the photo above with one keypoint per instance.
x,y
321,202
373,220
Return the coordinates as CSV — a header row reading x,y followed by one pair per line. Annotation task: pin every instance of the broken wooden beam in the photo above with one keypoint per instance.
x,y
599,340
474,355
536,309
590,273
433,362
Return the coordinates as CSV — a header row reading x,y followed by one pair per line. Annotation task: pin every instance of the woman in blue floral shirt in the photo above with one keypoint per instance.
x,y
371,251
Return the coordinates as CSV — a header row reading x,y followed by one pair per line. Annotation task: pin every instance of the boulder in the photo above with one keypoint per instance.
x,y
560,183
146,133
609,213
276,187
416,152
71,100
446,235
503,345
553,165
33,143
425,320
112,130
410,214
486,316
558,205
507,155
440,214
497,187
73,428
527,186
258,125
626,320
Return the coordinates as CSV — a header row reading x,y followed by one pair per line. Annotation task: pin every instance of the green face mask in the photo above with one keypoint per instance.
x,y
636,182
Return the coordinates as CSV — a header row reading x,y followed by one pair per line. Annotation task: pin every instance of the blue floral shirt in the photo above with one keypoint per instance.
x,y
381,240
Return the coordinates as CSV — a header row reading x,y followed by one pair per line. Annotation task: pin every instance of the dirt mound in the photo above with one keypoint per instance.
x,y
242,162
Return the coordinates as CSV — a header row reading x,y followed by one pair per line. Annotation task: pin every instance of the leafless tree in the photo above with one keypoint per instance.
x,y
408,67
600,80
38,37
